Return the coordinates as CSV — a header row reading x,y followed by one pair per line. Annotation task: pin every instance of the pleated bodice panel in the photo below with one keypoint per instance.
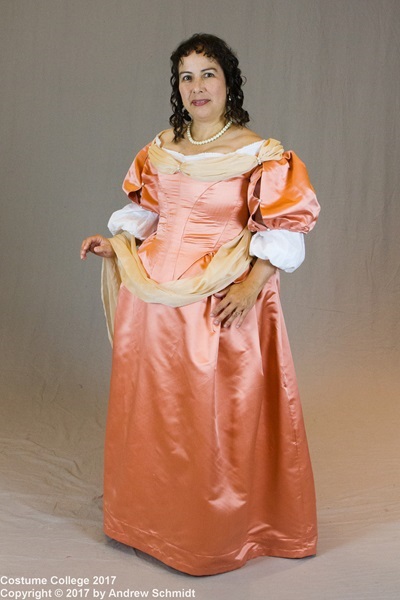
x,y
195,219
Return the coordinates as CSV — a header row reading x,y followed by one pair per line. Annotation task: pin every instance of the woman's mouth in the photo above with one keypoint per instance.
x,y
199,102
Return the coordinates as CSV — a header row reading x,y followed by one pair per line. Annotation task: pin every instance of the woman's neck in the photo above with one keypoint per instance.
x,y
205,130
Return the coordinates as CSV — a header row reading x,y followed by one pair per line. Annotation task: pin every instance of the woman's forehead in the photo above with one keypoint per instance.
x,y
197,61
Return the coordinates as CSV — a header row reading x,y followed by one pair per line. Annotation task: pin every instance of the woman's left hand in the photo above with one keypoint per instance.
x,y
239,298
236,302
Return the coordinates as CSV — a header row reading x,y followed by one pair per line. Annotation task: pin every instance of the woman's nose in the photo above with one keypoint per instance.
x,y
197,85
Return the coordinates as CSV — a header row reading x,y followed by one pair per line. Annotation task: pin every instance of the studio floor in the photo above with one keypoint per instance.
x,y
51,503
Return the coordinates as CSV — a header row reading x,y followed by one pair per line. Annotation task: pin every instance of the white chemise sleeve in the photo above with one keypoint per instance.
x,y
284,249
134,219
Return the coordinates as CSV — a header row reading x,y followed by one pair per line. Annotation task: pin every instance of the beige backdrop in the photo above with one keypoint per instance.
x,y
84,85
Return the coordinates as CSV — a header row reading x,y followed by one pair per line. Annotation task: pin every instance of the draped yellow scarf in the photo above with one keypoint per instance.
x,y
230,261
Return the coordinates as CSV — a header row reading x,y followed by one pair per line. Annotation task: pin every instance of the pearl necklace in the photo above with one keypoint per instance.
x,y
211,139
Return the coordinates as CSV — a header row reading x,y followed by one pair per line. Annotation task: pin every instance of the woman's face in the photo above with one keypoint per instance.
x,y
202,87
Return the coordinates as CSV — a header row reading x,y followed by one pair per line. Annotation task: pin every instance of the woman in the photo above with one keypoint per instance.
x,y
206,458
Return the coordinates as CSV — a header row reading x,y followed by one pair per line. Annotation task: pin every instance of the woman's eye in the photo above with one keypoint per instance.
x,y
208,74
186,78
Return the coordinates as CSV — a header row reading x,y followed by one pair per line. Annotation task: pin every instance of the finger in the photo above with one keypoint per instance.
x,y
96,245
220,308
93,239
86,246
100,249
84,249
233,317
222,293
225,314
87,241
105,250
241,318
238,315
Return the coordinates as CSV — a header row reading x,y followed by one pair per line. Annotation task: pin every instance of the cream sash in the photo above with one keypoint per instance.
x,y
215,168
230,262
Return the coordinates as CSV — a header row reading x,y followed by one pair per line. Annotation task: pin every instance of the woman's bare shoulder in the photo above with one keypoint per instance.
x,y
245,136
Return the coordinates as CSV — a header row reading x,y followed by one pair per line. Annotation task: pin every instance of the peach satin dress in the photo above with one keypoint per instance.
x,y
206,457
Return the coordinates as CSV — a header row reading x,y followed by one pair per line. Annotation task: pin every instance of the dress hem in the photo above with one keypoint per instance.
x,y
225,564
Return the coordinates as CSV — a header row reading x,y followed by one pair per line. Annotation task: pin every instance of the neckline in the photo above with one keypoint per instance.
x,y
210,154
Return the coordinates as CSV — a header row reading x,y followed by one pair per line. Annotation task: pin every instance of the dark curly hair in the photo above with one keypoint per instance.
x,y
213,47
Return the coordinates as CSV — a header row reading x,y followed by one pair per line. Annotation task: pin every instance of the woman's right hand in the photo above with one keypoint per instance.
x,y
97,244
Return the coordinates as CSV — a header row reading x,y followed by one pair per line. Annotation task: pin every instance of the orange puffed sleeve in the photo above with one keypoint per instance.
x,y
280,196
139,181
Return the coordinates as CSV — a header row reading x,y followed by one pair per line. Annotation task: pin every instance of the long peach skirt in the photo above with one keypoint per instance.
x,y
206,457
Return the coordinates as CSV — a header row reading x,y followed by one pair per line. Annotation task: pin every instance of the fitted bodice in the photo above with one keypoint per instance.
x,y
196,218
206,200
202,204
